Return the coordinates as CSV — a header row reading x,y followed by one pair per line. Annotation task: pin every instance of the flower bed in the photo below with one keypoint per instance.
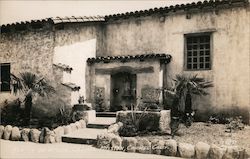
x,y
112,141
44,135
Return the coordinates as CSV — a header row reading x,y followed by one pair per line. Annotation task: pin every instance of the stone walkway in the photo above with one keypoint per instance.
x,y
19,149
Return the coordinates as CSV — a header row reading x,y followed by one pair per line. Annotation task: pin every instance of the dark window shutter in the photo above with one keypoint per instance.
x,y
5,77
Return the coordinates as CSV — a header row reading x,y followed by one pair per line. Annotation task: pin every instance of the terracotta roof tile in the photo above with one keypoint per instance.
x,y
178,7
211,4
64,67
73,86
126,58
79,19
56,20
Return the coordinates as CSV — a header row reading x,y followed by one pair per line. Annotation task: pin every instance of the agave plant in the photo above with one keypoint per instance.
x,y
30,85
136,118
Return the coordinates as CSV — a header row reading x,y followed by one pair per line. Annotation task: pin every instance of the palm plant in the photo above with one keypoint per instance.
x,y
30,85
185,86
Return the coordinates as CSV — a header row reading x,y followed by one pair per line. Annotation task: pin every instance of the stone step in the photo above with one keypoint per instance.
x,y
105,114
98,126
83,136
79,140
101,122
89,134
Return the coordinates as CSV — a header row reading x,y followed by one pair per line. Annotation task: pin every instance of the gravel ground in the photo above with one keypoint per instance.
x,y
211,134
25,150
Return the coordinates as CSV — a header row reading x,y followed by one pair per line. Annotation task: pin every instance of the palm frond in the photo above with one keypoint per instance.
x,y
30,83
192,84
16,83
29,79
43,88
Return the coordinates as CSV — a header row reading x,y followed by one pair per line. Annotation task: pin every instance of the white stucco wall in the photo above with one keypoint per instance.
x,y
75,55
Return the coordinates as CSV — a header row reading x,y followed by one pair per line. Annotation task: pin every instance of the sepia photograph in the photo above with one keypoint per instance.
x,y
125,79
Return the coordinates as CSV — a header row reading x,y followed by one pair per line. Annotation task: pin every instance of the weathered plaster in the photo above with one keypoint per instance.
x,y
32,51
230,29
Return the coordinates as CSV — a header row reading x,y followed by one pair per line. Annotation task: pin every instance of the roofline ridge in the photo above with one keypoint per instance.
x,y
137,13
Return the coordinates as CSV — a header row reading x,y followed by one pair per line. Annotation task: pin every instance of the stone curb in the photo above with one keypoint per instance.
x,y
13,133
199,151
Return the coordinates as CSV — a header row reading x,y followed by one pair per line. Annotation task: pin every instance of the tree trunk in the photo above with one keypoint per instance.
x,y
188,103
28,106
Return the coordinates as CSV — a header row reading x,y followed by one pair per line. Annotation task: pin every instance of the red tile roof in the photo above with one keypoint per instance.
x,y
64,67
205,5
80,19
73,86
166,58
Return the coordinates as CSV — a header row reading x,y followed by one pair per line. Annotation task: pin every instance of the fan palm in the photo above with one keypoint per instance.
x,y
184,88
30,85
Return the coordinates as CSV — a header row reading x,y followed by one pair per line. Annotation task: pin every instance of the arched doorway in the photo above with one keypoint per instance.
x,y
123,90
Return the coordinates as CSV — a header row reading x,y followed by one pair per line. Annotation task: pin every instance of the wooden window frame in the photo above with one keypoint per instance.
x,y
198,51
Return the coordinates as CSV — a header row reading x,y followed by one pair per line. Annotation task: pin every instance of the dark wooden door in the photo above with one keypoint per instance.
x,y
123,90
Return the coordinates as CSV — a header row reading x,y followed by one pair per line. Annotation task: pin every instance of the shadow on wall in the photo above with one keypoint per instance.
x,y
46,107
222,114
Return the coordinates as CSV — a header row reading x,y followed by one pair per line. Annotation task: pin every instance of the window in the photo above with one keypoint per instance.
x,y
5,77
198,51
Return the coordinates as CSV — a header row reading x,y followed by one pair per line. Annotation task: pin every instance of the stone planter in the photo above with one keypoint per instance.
x,y
82,107
152,121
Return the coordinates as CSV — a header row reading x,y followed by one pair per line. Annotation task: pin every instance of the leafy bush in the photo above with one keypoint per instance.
x,y
213,120
64,116
128,129
77,115
235,124
49,121
186,119
11,113
100,105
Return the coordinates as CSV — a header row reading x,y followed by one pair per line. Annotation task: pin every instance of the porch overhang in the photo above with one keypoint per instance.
x,y
119,80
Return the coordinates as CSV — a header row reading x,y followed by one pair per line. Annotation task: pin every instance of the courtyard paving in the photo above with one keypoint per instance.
x,y
19,149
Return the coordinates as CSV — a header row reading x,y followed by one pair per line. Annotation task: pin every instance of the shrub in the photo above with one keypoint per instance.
x,y
100,105
128,129
77,115
48,121
132,124
11,113
213,120
64,116
235,124
186,119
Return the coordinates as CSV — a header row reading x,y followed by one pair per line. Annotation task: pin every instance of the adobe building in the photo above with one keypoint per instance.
x,y
116,58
